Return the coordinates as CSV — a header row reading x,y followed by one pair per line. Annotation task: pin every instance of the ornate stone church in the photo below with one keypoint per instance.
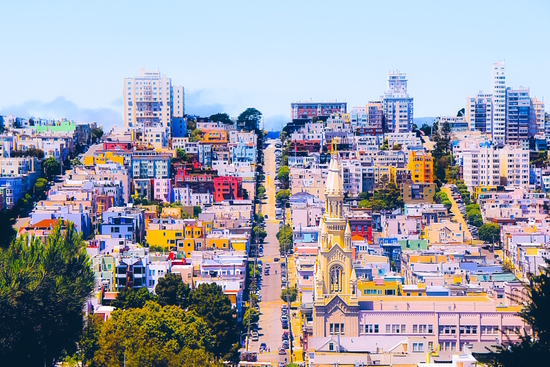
x,y
336,308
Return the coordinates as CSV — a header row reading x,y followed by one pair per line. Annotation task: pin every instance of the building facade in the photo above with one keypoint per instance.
x,y
397,105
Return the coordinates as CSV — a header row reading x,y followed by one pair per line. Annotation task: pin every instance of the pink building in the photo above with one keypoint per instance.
x,y
162,189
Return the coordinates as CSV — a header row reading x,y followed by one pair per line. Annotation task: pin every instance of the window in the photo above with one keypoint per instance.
x,y
418,347
331,346
336,278
388,328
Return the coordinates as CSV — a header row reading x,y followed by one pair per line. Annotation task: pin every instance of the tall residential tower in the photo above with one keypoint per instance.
x,y
150,100
397,105
498,85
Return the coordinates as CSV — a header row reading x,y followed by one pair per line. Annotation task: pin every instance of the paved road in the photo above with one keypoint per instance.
x,y
456,212
270,328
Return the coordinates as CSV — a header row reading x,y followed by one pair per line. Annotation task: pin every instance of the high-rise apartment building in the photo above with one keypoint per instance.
x,y
481,167
538,114
397,105
518,120
498,84
375,113
150,100
479,112
514,167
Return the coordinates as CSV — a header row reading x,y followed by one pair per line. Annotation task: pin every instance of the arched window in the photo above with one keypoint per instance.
x,y
336,278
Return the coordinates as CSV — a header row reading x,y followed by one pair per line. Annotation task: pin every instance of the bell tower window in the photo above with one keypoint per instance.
x,y
336,279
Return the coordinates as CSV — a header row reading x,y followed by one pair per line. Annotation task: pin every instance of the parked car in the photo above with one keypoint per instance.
x,y
282,351
285,344
276,259
285,335
263,347
285,324
255,336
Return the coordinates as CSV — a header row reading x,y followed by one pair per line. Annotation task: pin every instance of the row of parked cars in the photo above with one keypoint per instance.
x,y
462,208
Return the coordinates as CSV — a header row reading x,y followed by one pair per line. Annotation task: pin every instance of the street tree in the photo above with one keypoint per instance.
x,y
250,119
43,289
489,232
151,336
221,117
128,298
52,168
210,303
172,291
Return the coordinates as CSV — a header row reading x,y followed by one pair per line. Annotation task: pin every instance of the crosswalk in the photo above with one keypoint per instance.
x,y
272,221
270,259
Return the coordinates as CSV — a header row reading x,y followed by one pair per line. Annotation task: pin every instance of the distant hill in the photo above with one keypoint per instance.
x,y
419,121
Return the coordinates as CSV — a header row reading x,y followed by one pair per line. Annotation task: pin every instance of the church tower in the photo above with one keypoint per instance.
x,y
335,280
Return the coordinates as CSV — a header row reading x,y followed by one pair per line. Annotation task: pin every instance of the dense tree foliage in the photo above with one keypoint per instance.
x,y
259,233
250,119
221,117
172,291
531,350
489,232
252,315
152,336
282,195
289,294
97,134
286,238
195,135
52,168
43,288
31,152
129,298
210,303
283,175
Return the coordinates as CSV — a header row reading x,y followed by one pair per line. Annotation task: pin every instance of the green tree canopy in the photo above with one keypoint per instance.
x,y
250,119
282,195
97,134
259,233
195,135
489,232
289,294
283,175
210,303
152,336
181,155
251,313
43,289
286,238
52,167
128,298
172,291
221,117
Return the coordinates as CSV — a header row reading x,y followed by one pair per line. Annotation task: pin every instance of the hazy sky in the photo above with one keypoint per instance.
x,y
69,58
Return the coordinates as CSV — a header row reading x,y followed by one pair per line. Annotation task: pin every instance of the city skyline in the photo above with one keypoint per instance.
x,y
45,81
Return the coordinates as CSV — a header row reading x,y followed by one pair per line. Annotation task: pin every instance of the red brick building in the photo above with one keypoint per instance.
x,y
228,188
309,110
118,145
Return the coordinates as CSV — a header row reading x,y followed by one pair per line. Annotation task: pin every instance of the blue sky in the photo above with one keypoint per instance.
x,y
68,59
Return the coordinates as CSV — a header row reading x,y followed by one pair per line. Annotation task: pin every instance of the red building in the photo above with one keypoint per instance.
x,y
228,188
309,110
360,221
118,145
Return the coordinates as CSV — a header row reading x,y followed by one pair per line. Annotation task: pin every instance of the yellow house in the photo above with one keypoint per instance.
x,y
219,243
378,287
103,158
420,164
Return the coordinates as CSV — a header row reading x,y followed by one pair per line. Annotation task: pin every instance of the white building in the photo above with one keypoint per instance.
x,y
185,196
481,167
397,105
151,100
479,112
406,140
538,114
514,167
498,84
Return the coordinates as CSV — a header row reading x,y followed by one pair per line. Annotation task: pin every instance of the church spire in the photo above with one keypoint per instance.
x,y
335,186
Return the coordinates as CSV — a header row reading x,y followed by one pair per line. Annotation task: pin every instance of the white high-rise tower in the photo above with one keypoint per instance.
x,y
498,85
150,100
397,105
